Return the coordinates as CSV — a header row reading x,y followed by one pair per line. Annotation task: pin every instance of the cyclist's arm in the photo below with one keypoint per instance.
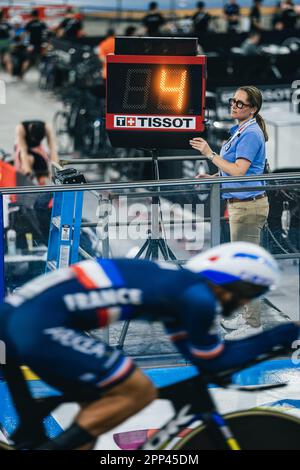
x,y
195,332
239,352
21,142
203,346
51,144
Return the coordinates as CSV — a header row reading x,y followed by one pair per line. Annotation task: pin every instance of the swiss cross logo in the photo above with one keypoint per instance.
x,y
131,122
121,121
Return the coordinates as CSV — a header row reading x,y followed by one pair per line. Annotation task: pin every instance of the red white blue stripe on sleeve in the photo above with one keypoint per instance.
x,y
93,275
120,373
209,352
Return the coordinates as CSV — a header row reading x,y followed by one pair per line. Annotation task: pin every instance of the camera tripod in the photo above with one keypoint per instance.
x,y
154,245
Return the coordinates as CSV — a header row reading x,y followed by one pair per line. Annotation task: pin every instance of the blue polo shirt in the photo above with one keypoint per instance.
x,y
251,146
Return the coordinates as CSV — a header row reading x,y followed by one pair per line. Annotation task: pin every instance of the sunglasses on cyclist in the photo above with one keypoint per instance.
x,y
239,104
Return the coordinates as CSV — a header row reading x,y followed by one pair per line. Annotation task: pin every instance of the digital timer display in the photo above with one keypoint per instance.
x,y
155,89
150,97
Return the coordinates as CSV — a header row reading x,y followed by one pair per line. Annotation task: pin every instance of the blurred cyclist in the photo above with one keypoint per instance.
x,y
31,156
43,326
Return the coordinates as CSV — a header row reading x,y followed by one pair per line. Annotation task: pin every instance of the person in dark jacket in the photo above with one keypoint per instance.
x,y
201,19
153,20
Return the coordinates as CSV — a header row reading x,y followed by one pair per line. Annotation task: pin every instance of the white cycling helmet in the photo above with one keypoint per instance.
x,y
243,268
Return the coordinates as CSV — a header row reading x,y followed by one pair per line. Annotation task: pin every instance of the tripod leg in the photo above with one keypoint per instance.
x,y
152,251
123,334
163,248
142,249
166,250
171,253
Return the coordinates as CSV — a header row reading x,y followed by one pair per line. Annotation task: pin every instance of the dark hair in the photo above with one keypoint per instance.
x,y
255,100
110,32
152,5
35,13
245,289
200,5
130,30
36,131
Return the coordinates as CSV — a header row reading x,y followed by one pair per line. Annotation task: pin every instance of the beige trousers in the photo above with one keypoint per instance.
x,y
246,220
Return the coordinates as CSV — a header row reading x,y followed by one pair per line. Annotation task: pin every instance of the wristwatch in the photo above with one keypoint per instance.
x,y
212,156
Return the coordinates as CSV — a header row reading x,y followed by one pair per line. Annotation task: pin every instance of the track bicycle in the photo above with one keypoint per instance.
x,y
195,425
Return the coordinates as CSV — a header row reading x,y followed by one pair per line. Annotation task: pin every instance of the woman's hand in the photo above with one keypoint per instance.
x,y
201,145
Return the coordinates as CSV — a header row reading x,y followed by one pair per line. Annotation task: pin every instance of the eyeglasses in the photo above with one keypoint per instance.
x,y
239,104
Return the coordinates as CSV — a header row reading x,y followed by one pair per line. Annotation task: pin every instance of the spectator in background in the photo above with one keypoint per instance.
x,y
18,26
154,20
249,47
289,16
130,31
36,31
255,16
71,27
276,18
201,19
107,46
5,43
232,15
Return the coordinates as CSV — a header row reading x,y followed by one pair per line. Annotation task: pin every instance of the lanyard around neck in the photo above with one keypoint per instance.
x,y
240,130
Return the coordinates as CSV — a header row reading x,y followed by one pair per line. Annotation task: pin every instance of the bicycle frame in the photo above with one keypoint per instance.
x,y
197,405
192,402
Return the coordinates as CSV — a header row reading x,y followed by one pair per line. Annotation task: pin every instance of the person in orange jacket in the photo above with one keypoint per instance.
x,y
106,46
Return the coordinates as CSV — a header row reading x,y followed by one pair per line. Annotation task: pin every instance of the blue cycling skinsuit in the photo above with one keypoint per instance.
x,y
47,317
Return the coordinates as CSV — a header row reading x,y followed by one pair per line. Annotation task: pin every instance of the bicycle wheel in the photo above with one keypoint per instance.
x,y
253,430
61,129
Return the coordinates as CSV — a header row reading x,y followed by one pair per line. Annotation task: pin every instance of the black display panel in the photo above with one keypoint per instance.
x,y
157,89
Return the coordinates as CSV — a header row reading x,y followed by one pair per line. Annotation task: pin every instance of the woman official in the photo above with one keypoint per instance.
x,y
243,154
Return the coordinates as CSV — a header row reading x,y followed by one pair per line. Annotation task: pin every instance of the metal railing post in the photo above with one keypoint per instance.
x,y
2,277
215,215
104,212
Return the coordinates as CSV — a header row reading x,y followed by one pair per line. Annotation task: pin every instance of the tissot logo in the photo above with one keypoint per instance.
x,y
131,122
120,121
155,122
